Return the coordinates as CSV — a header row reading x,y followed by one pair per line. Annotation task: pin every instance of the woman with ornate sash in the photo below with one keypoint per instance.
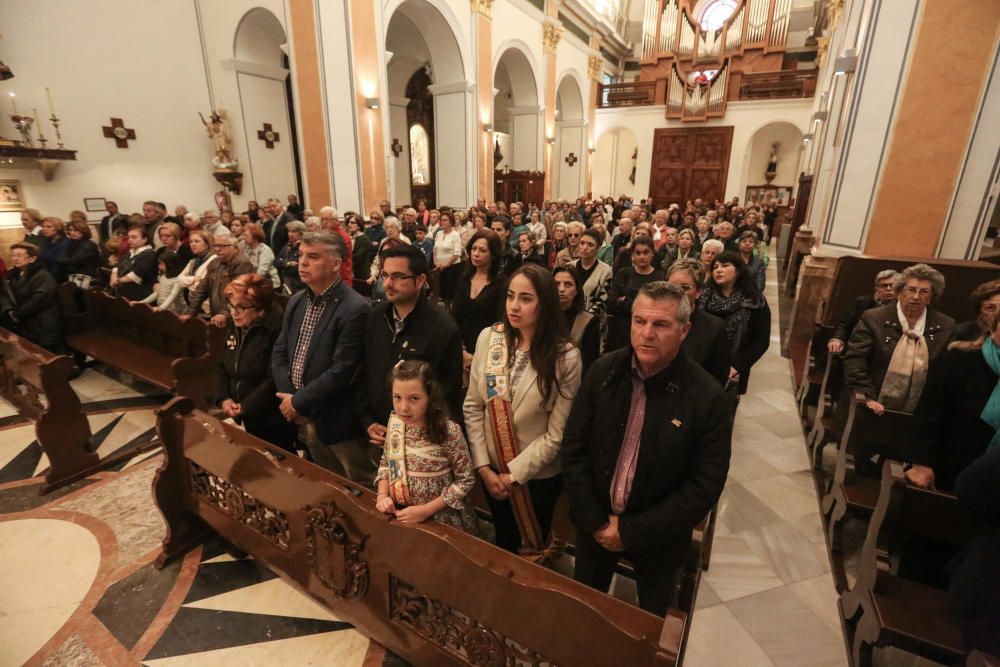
x,y
425,470
524,376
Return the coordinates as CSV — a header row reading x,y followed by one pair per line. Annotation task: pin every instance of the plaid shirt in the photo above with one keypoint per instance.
x,y
314,311
621,484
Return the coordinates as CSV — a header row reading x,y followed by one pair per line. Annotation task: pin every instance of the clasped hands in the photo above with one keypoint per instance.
x,y
411,514
288,410
608,535
498,486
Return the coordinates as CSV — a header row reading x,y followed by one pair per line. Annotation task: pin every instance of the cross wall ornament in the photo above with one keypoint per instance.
x,y
396,147
119,132
268,136
571,159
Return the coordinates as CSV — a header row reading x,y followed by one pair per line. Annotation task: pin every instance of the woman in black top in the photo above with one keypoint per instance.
x,y
624,288
135,274
480,292
82,259
584,328
245,387
29,304
730,293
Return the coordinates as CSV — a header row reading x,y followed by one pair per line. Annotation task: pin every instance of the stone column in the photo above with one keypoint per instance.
x,y
551,33
595,68
483,16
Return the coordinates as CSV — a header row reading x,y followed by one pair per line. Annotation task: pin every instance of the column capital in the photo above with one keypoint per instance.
x,y
484,7
551,34
595,67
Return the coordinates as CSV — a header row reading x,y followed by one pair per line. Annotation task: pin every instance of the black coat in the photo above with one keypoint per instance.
x,y
853,315
144,266
874,339
951,434
244,375
429,334
49,252
683,456
275,232
81,256
474,315
707,345
36,310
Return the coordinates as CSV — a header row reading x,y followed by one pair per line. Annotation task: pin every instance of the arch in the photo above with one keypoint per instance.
x,y
757,149
569,96
258,38
447,50
519,50
516,111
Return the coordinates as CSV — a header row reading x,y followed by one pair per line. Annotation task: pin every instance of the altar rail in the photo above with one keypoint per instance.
x,y
430,593
634,94
776,85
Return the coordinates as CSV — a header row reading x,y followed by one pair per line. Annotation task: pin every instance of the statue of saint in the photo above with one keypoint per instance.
x,y
772,159
217,127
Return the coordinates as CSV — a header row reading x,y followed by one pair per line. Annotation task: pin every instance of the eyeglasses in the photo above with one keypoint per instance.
x,y
394,277
240,308
913,291
573,235
222,245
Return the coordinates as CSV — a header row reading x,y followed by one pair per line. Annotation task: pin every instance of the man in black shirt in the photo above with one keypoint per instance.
x,y
406,326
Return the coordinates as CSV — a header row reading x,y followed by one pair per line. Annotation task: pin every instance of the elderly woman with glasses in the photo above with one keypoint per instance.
x,y
245,389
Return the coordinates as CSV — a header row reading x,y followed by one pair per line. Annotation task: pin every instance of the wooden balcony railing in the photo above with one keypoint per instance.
x,y
635,94
781,84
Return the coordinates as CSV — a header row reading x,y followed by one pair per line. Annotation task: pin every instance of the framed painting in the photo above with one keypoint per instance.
x,y
94,204
11,196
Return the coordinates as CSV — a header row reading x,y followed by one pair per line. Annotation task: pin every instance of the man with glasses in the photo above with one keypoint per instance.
x,y
406,326
231,263
316,357
883,295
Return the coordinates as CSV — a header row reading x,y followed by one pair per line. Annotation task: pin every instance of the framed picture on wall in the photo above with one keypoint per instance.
x,y
778,195
94,204
11,196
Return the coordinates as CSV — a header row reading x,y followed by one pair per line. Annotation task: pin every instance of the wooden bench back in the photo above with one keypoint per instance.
x,y
161,331
430,593
855,276
29,374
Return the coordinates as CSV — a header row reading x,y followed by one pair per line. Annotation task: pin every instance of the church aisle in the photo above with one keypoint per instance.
x,y
768,597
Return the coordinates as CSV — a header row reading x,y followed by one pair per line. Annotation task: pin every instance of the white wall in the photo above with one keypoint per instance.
x,y
613,163
745,117
139,60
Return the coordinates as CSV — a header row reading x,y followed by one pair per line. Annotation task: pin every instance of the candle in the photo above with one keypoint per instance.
x,y
52,107
13,103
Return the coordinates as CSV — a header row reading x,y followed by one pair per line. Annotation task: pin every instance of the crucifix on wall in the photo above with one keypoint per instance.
x,y
571,159
268,135
396,147
119,132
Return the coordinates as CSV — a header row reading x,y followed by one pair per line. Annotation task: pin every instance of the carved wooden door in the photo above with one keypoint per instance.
x,y
689,163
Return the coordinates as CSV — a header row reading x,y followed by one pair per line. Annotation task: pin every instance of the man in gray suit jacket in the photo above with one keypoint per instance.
x,y
316,356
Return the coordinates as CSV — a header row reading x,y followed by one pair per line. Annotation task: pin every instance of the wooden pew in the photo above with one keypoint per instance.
x,y
829,284
430,593
885,609
826,424
155,346
36,382
850,492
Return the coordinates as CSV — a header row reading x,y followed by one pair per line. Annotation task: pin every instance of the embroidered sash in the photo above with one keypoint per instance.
x,y
395,453
501,419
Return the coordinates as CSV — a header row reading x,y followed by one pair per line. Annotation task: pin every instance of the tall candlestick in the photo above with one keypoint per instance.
x,y
13,103
52,107
38,125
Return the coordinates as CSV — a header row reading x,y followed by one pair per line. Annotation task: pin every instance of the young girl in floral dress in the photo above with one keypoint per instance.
x,y
426,470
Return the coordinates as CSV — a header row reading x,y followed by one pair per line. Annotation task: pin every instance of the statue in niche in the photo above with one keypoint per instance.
x,y
635,160
772,162
217,127
420,173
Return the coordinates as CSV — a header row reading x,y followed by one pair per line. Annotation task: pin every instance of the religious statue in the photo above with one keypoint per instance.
x,y
217,127
772,162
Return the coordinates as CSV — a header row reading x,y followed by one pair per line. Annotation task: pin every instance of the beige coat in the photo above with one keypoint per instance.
x,y
538,430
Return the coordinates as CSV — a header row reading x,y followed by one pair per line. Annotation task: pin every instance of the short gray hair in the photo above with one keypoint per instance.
x,y
661,290
920,272
714,243
886,274
692,267
295,226
331,242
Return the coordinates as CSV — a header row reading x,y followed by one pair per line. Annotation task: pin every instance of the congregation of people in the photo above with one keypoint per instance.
x,y
596,349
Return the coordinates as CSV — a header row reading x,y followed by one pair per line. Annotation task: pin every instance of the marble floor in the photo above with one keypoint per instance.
x,y
79,587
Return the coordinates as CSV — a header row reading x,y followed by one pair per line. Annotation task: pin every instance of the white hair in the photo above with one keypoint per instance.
x,y
328,212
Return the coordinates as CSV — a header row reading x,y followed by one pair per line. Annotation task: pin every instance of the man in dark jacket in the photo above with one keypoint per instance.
x,y
315,359
407,326
30,306
645,452
883,294
706,343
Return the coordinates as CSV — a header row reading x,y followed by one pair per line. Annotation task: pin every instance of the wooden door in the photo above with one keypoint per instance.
x,y
689,163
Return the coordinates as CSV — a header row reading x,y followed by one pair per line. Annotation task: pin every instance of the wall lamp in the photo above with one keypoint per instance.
x,y
551,141
591,150
371,102
846,63
487,127
806,138
819,117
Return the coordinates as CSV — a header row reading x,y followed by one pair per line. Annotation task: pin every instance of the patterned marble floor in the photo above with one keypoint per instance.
x,y
80,588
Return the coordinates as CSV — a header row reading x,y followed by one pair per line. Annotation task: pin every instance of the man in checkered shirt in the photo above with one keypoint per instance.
x,y
316,356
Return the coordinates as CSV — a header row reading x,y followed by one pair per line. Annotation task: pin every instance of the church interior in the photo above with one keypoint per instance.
x,y
848,142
